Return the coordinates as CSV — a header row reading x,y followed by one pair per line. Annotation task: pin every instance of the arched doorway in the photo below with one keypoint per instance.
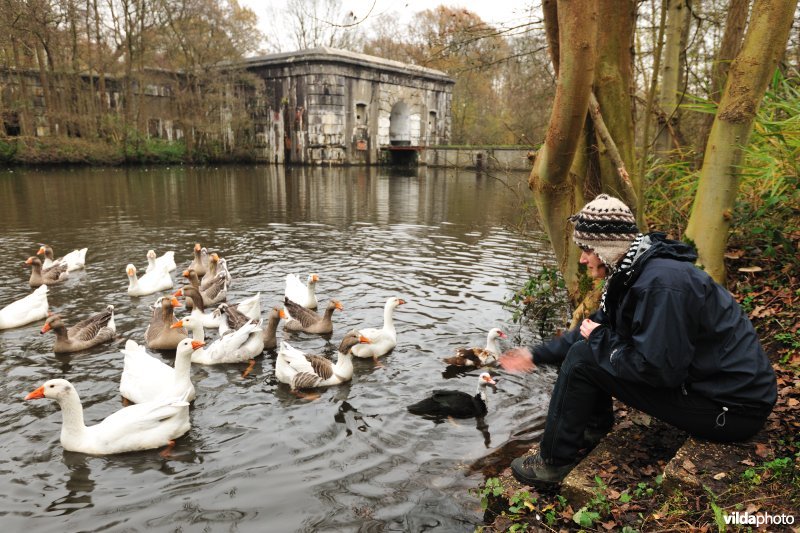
x,y
400,125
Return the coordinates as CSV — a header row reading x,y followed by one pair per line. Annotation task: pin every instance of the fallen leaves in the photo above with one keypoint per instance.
x,y
762,450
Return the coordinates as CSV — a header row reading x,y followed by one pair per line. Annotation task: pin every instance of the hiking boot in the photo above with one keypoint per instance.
x,y
533,471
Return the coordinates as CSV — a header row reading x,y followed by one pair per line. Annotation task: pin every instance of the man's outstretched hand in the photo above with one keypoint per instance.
x,y
517,360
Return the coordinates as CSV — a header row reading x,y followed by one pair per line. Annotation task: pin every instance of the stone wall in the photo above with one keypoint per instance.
x,y
477,158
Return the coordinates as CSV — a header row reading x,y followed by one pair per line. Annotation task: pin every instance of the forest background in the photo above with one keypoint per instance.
x,y
590,87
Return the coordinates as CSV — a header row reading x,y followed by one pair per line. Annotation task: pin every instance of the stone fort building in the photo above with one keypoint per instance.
x,y
329,106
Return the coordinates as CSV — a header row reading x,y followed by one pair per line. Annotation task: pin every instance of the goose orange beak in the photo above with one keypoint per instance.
x,y
197,344
38,393
283,314
185,274
41,250
197,247
129,271
29,261
338,306
176,325
503,335
175,303
45,328
362,338
401,301
314,278
215,257
179,292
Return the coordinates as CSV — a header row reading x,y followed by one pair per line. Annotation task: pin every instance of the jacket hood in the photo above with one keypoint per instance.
x,y
660,246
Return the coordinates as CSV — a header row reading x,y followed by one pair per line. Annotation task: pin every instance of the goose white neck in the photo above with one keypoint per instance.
x,y
72,425
197,331
183,363
388,318
343,369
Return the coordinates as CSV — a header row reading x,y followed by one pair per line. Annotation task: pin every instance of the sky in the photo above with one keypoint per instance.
x,y
495,12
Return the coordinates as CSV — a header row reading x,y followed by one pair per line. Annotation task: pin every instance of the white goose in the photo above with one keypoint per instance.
x,y
477,357
138,427
75,260
151,282
29,309
166,260
302,371
239,346
145,378
193,326
384,339
300,293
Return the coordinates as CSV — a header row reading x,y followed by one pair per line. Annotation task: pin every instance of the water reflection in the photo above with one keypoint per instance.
x,y
259,457
79,485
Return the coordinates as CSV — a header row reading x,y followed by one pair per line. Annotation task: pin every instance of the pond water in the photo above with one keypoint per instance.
x,y
259,458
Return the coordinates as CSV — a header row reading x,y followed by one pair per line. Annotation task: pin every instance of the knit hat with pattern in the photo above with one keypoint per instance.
x,y
607,226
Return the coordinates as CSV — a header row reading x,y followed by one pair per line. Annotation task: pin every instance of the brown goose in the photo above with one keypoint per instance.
x,y
231,318
46,276
159,335
96,329
214,293
215,265
270,341
298,318
478,357
200,262
208,320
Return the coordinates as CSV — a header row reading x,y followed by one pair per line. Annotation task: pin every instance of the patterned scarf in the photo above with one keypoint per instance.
x,y
639,245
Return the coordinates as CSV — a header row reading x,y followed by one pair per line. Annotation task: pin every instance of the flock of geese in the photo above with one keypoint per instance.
x,y
161,393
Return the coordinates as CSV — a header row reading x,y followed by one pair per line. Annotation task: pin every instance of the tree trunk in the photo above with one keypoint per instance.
x,y
651,93
613,89
735,23
550,180
749,76
678,19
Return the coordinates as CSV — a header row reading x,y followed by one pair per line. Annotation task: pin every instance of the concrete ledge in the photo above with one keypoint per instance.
x,y
699,463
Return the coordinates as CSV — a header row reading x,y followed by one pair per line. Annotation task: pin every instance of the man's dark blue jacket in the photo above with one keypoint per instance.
x,y
667,324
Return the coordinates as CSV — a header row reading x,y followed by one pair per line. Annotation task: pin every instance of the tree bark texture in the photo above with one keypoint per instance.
x,y
677,19
550,180
613,89
749,76
735,23
651,93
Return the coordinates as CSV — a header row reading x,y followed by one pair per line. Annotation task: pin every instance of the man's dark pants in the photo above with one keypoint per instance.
x,y
582,396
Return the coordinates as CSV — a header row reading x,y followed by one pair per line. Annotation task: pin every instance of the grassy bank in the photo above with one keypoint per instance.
x,y
37,151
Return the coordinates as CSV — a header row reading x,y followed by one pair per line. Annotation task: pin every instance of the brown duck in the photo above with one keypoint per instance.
x,y
215,265
270,340
159,335
96,329
214,292
298,318
200,262
46,276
